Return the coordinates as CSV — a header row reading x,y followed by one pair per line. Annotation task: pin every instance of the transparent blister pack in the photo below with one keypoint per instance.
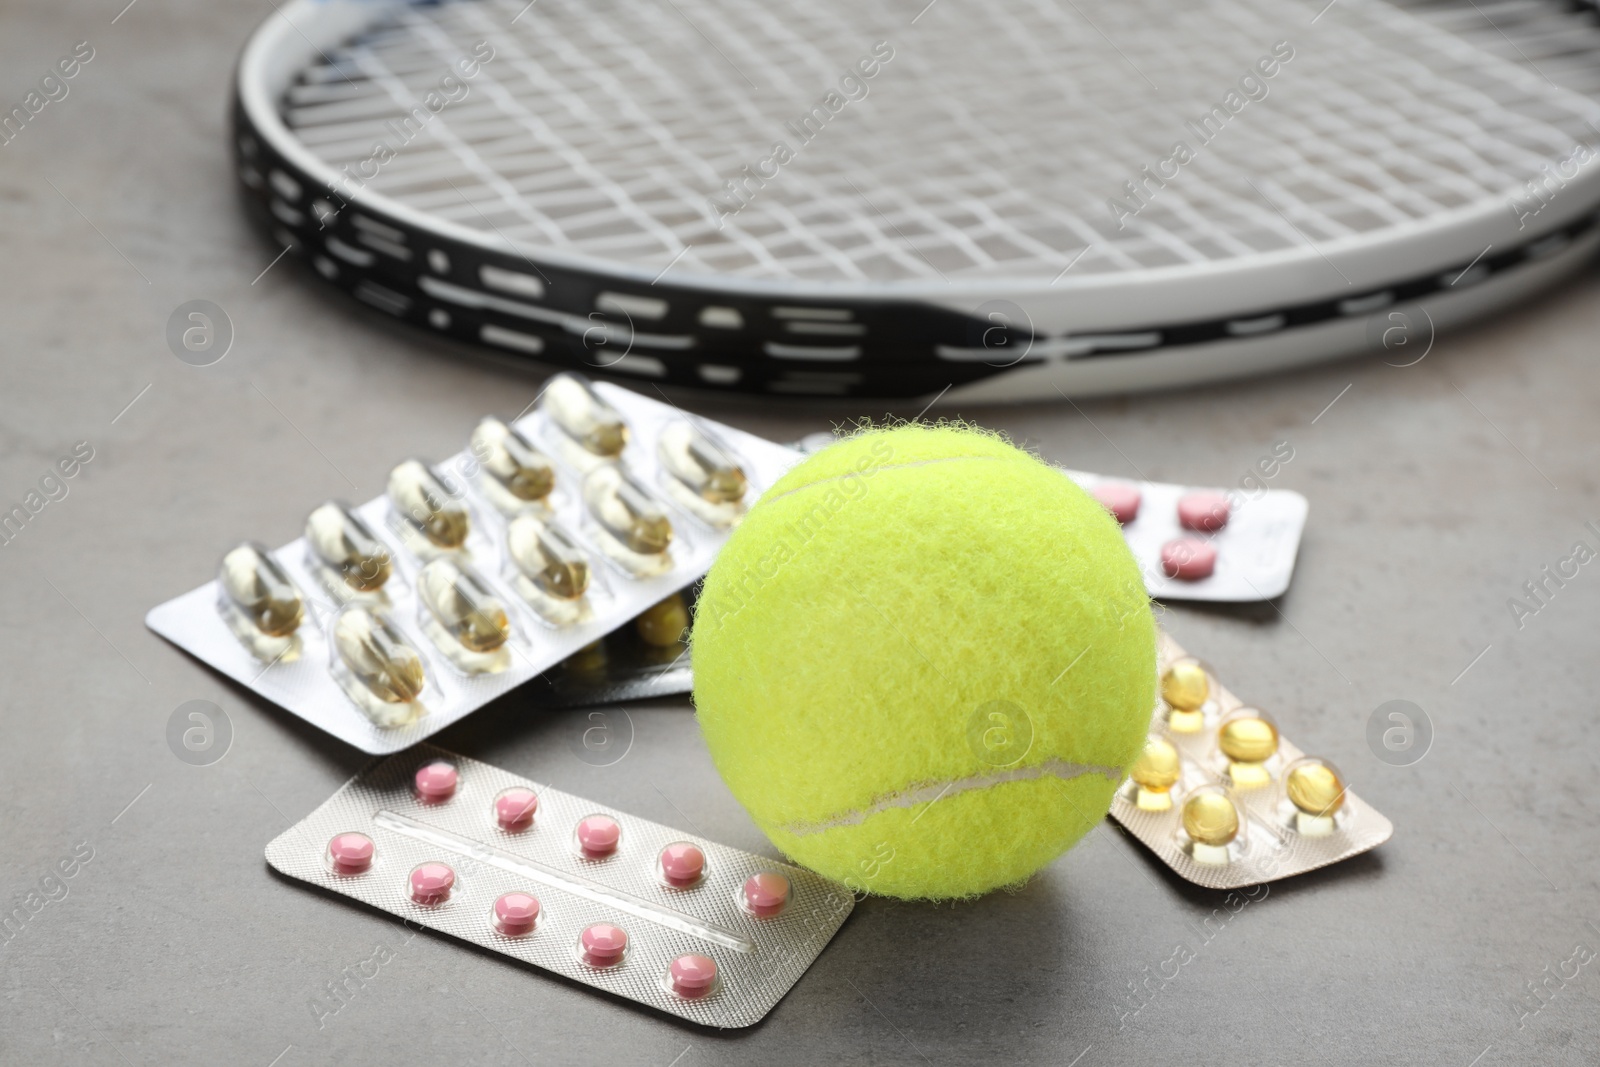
x,y
711,934
1206,544
1225,800
387,622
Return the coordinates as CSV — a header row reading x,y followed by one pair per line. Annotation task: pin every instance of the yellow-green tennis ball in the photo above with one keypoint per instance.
x,y
924,662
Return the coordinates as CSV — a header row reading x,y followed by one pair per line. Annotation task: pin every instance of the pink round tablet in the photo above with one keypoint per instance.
x,y
516,913
766,893
682,864
598,835
431,883
436,782
692,976
350,853
602,945
1120,499
1203,511
1188,559
514,808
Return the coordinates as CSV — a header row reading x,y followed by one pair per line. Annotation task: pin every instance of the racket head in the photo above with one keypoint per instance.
x,y
1138,302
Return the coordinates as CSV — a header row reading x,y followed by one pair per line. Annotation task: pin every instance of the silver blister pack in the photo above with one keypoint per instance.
x,y
1253,550
1226,801
444,842
387,622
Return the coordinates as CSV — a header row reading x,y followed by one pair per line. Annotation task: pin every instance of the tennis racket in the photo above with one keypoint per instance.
x,y
903,198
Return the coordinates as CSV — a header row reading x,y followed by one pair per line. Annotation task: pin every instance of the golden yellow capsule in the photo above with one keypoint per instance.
x,y
427,504
1248,738
463,605
348,547
589,662
1315,788
373,651
627,511
663,624
1157,767
1209,818
701,464
1185,686
512,461
547,557
573,405
260,590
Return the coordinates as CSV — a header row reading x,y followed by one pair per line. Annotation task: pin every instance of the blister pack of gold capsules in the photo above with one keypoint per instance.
x,y
387,622
1225,800
712,934
635,662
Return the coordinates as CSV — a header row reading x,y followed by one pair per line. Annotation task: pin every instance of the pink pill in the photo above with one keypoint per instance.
x,y
515,913
1120,499
598,835
692,976
1203,511
431,883
766,893
514,808
436,782
1188,559
350,853
602,945
682,864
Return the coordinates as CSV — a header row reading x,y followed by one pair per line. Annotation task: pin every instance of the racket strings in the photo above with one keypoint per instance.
x,y
997,139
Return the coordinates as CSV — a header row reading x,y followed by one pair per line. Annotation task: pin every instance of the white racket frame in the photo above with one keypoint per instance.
x,y
1069,320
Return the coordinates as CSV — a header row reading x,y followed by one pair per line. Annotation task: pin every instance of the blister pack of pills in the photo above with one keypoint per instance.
x,y
387,622
1233,545
648,658
1225,800
711,934
1206,544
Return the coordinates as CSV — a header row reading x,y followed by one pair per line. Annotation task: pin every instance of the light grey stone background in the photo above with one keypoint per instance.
x,y
1436,492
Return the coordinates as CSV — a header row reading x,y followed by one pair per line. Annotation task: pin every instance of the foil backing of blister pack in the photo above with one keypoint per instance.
x,y
1273,847
757,959
304,684
1256,549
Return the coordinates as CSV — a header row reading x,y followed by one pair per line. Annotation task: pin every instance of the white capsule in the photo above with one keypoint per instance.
x,y
573,405
260,591
627,512
463,605
348,547
373,655
515,466
428,506
547,557
701,473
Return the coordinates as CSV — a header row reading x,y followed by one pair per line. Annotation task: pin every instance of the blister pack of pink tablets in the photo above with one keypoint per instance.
x,y
387,622
1205,544
1225,800
1225,545
711,934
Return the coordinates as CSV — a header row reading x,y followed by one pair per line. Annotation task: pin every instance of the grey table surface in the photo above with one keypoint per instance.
x,y
1436,491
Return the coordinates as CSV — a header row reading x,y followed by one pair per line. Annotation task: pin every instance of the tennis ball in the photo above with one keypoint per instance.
x,y
924,662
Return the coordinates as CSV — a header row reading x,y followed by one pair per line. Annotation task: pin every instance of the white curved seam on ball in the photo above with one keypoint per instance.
x,y
932,791
875,470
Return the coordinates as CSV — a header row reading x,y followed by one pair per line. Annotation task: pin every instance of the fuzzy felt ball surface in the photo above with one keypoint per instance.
x,y
924,662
